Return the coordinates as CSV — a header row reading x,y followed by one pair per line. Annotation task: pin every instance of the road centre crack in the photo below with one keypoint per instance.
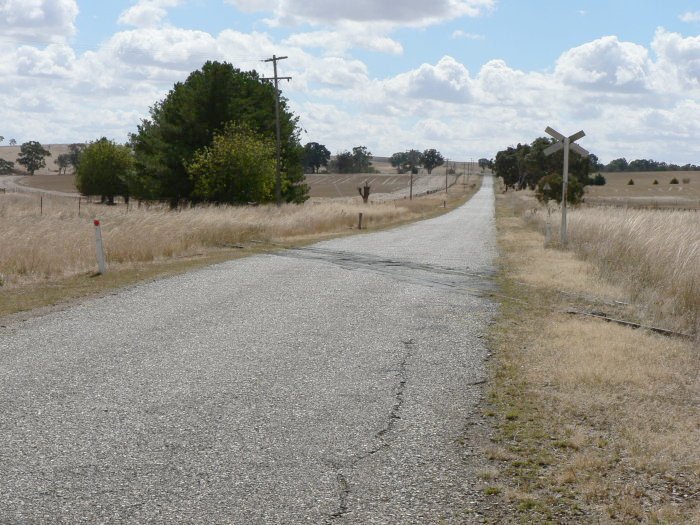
x,y
343,485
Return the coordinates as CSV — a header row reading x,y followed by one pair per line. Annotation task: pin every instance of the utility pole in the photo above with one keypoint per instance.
x,y
276,79
447,171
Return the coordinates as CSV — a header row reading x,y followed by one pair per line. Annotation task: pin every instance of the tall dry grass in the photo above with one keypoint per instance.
x,y
653,254
598,423
59,243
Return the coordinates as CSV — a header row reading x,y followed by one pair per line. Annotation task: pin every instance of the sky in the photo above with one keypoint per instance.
x,y
468,77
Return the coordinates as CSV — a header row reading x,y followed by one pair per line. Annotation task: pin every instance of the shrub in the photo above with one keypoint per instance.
x,y
599,180
631,182
686,181
6,167
555,182
655,181
674,180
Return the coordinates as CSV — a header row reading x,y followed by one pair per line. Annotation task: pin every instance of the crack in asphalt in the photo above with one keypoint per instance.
x,y
436,276
394,415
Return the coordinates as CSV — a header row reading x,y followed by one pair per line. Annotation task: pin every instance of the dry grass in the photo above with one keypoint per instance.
x,y
654,255
644,193
597,423
59,244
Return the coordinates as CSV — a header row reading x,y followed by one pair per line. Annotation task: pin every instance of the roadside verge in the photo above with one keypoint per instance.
x,y
593,422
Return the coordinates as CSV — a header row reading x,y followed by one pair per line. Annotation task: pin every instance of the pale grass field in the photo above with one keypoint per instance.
x,y
619,408
653,255
59,244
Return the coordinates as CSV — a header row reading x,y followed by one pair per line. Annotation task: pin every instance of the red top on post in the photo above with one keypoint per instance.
x,y
97,222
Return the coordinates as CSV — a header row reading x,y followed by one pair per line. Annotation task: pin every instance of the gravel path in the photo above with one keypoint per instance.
x,y
330,384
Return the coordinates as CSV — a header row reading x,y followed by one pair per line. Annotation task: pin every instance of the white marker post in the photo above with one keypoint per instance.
x,y
567,143
100,248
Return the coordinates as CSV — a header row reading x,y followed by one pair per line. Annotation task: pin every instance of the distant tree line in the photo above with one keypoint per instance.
x,y
315,155
410,161
621,165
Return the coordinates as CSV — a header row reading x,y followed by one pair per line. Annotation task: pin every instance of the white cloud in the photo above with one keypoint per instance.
x,y
459,34
404,13
147,13
38,20
690,16
605,64
678,64
447,81
348,36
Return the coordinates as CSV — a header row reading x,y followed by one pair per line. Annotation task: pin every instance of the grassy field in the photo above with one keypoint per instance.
x,y
594,422
10,154
644,193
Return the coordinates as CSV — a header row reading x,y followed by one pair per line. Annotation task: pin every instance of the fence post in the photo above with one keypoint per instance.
x,y
100,248
359,222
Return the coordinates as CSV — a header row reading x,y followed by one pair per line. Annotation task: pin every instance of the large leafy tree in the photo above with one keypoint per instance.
x,y
343,162
104,169
63,162
315,156
432,158
409,161
32,156
361,159
357,161
524,165
74,151
193,112
238,168
398,160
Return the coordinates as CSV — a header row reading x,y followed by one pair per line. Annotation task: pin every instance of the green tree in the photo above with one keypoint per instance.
x,y
6,167
598,180
553,184
361,159
74,151
2,138
12,142
398,160
315,156
191,115
414,160
32,156
617,165
104,169
343,162
524,165
431,159
506,166
238,167
63,161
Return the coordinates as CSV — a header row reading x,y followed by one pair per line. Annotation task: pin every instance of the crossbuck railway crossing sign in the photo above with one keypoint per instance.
x,y
565,143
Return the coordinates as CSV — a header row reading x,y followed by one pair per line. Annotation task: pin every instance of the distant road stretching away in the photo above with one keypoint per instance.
x,y
328,384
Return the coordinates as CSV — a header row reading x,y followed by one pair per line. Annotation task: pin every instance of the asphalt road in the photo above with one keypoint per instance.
x,y
330,384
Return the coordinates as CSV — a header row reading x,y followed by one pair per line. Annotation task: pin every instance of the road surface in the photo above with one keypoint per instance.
x,y
329,384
